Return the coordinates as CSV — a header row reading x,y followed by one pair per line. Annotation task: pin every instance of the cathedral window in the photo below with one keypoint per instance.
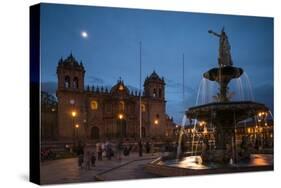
x,y
160,93
94,105
66,82
154,92
75,82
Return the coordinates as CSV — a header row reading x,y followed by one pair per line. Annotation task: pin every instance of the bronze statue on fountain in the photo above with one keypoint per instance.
x,y
225,72
224,114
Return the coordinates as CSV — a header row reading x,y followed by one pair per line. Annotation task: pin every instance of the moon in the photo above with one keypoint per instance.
x,y
84,34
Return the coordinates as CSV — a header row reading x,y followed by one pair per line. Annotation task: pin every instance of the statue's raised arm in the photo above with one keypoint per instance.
x,y
224,49
214,33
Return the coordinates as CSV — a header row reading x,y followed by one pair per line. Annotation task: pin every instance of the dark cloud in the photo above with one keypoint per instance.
x,y
176,85
264,93
133,88
95,80
49,87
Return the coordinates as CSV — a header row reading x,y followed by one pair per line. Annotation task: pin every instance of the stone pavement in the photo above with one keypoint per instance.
x,y
67,170
131,170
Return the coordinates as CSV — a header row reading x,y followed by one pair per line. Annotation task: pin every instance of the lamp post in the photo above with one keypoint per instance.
x,y
73,114
76,128
262,127
120,126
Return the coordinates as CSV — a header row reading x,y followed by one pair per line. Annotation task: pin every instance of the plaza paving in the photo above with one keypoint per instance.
x,y
67,170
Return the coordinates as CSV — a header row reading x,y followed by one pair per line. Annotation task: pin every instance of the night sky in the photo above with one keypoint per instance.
x,y
109,49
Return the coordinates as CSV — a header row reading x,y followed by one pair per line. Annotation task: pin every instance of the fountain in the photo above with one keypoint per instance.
x,y
223,115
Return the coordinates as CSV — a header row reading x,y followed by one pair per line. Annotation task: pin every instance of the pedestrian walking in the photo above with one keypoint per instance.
x,y
140,148
80,160
109,152
93,159
99,151
152,148
147,147
88,160
119,147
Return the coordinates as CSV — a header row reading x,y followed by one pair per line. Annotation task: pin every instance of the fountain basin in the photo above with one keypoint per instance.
x,y
223,73
190,166
224,116
225,110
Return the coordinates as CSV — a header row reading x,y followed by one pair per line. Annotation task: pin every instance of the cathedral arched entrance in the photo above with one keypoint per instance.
x,y
95,133
121,128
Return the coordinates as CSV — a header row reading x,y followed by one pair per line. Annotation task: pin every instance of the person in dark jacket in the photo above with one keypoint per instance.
x,y
80,160
147,147
93,159
140,148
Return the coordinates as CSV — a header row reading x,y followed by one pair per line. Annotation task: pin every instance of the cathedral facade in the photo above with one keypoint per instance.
x,y
95,113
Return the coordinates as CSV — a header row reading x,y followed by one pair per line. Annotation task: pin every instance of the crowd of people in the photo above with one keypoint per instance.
x,y
89,154
47,154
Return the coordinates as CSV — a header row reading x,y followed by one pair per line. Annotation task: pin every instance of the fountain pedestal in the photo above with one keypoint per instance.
x,y
224,150
224,116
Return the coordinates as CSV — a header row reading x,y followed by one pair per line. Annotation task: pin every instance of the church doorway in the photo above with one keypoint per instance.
x,y
121,128
95,133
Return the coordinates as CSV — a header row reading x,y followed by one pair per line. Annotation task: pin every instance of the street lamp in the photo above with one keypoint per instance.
x,y
205,130
202,123
73,114
120,126
156,121
120,116
262,116
77,127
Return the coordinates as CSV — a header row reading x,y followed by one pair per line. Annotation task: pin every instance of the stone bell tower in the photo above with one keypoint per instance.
x,y
154,87
70,94
70,75
154,92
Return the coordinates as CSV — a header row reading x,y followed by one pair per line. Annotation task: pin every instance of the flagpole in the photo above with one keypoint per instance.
x,y
140,93
183,77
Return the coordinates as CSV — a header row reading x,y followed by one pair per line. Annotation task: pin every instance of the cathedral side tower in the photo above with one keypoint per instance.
x,y
154,87
154,92
70,75
70,94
